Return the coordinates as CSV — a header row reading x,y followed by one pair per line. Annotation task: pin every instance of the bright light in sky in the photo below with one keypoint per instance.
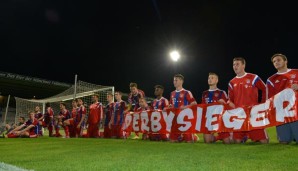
x,y
175,55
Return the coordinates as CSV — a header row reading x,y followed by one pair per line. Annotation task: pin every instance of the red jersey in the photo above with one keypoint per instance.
x,y
109,110
65,114
48,115
81,112
181,98
211,96
119,108
134,98
160,103
95,113
74,112
33,130
38,115
280,81
243,91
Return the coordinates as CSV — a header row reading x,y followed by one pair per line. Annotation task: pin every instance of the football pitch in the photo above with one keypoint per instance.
x,y
73,154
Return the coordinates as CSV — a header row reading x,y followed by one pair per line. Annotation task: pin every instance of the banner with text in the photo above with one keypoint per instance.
x,y
204,118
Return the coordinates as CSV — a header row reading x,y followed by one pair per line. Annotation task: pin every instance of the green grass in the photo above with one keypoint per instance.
x,y
46,153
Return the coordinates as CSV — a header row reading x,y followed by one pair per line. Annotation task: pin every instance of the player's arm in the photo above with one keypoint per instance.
x,y
81,121
17,128
26,129
191,99
41,118
224,98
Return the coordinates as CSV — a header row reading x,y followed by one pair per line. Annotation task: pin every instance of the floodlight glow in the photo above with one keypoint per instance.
x,y
175,55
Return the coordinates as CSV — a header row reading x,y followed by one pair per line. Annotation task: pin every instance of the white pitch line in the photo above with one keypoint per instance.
x,y
8,167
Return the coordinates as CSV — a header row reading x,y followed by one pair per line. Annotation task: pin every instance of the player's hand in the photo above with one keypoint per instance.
x,y
221,101
294,87
231,104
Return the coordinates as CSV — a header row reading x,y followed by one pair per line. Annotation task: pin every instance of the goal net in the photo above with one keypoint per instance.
x,y
82,90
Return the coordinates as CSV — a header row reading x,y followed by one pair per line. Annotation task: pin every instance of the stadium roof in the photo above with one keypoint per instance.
x,y
29,87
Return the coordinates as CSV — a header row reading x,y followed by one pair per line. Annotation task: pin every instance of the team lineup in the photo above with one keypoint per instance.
x,y
245,89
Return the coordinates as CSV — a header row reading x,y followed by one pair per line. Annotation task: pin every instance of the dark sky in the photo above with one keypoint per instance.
x,y
118,42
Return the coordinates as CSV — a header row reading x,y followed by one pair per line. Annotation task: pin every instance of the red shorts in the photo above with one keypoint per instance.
x,y
107,133
258,134
182,137
254,135
223,135
92,131
158,137
117,131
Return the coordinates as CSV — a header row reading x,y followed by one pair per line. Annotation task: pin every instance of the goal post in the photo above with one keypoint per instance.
x,y
84,91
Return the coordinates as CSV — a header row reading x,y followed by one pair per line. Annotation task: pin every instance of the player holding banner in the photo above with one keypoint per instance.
x,y
181,98
211,96
284,78
159,104
243,91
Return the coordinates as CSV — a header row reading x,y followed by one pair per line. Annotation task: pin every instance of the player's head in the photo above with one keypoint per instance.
x,y
80,102
133,88
21,119
239,65
62,105
109,96
118,95
279,61
178,80
158,90
142,102
37,109
212,79
31,115
95,98
74,103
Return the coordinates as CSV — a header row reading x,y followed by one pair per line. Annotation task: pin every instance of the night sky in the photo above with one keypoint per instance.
x,y
118,42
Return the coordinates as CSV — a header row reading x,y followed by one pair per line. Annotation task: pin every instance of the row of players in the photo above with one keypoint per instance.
x,y
242,91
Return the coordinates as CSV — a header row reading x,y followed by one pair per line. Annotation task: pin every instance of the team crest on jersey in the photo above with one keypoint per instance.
x,y
216,94
181,95
277,81
293,76
247,81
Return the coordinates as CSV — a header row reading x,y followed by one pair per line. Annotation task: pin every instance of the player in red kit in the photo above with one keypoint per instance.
x,y
181,98
159,104
109,110
213,95
243,91
39,116
49,119
71,121
63,116
284,78
94,117
30,128
144,107
133,99
80,117
117,118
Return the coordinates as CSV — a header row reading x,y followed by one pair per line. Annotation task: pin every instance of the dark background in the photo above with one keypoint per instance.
x,y
118,42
